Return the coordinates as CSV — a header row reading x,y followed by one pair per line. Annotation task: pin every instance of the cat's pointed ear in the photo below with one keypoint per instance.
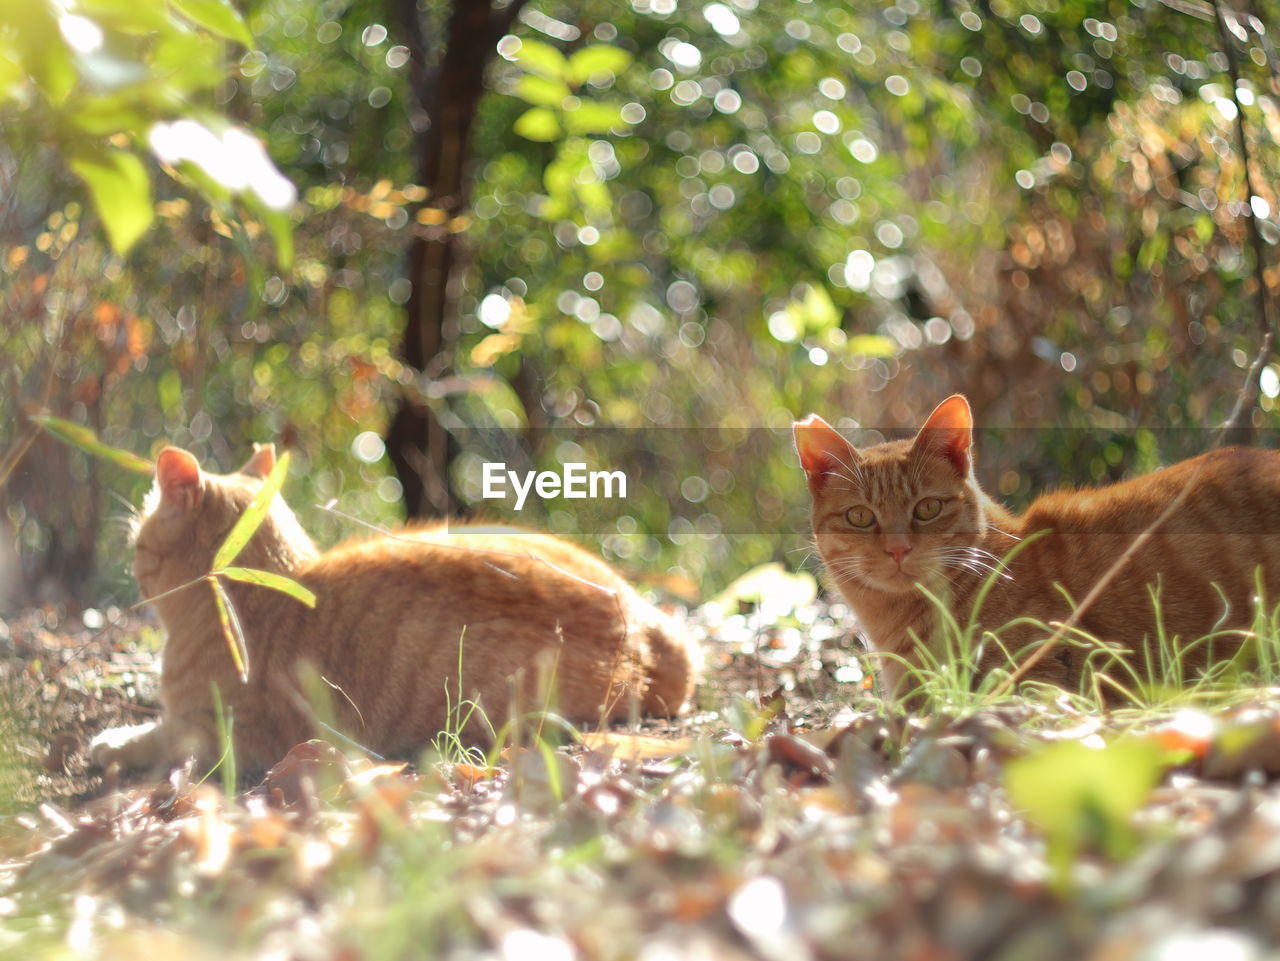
x,y
823,452
179,478
949,433
262,463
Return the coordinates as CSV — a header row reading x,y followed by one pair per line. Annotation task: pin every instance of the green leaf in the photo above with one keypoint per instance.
x,y
224,716
252,518
538,57
592,117
562,173
277,582
815,313
121,192
1205,228
280,226
104,116
187,61
538,124
594,195
190,174
1154,250
558,179
540,91
130,17
40,48
77,435
596,61
217,16
231,629
1083,798
872,345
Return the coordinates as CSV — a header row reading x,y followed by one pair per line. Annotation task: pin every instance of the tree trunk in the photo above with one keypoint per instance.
x,y
444,101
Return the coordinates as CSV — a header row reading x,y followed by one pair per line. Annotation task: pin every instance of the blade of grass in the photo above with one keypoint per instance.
x,y
252,518
231,629
224,717
77,435
1001,568
278,582
550,762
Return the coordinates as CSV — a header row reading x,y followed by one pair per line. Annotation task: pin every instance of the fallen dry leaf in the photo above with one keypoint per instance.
x,y
309,767
799,755
636,747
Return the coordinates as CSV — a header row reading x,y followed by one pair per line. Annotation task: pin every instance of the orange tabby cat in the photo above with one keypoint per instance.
x,y
905,513
394,615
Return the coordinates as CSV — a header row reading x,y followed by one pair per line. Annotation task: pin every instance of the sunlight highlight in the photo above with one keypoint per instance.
x,y
235,159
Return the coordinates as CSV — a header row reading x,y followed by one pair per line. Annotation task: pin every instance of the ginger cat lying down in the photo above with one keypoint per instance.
x,y
896,515
391,614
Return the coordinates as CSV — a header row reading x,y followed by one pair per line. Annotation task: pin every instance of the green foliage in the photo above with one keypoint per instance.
x,y
452,744
121,192
248,523
237,539
216,16
95,81
1083,798
966,666
277,582
83,438
553,85
537,124
694,218
225,723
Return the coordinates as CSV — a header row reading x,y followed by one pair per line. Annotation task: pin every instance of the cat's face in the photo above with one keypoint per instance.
x,y
896,514
189,513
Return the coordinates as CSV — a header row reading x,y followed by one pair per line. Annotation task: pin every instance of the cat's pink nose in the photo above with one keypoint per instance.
x,y
898,551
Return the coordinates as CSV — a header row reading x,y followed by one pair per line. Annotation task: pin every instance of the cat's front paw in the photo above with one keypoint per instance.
x,y
134,747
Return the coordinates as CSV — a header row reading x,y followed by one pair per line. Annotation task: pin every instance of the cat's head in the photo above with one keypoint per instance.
x,y
899,513
189,513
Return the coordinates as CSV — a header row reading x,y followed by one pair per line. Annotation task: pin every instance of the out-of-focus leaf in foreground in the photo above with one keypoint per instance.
x,y
82,437
1083,798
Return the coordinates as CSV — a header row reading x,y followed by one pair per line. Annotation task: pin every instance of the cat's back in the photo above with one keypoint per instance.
x,y
468,557
1233,490
505,587
419,602
1201,562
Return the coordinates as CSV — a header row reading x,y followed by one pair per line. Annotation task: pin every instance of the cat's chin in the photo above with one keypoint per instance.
x,y
897,582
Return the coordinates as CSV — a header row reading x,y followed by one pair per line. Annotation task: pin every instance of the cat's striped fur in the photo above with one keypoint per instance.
x,y
394,616
927,522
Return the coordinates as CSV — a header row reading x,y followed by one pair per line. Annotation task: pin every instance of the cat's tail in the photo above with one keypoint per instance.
x,y
673,662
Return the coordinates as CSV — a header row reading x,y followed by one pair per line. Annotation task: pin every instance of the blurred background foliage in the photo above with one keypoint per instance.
x,y
678,219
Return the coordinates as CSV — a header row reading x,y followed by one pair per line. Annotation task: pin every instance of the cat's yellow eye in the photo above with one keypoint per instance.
x,y
928,509
860,517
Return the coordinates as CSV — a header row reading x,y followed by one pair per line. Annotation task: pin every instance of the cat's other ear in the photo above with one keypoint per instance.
x,y
823,452
262,463
949,433
179,478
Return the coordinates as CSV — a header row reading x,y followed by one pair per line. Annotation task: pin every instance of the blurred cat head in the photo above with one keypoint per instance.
x,y
899,513
189,513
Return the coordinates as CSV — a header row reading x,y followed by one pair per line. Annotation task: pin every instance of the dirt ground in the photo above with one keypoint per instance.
x,y
63,682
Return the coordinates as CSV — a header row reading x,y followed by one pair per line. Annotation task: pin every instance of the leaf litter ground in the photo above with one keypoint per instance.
x,y
789,817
